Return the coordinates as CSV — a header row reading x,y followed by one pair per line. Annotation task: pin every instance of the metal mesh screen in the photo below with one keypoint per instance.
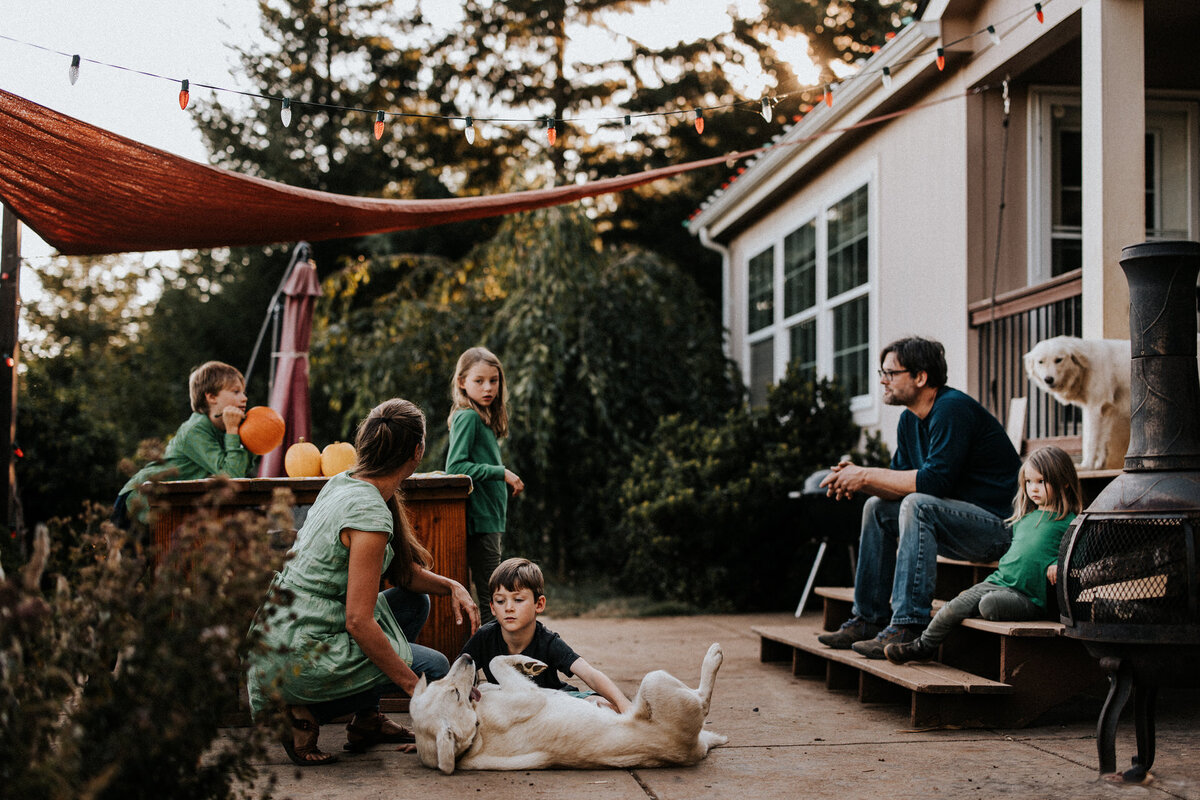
x,y
1132,571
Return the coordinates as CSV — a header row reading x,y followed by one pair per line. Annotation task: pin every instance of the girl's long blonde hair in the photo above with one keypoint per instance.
x,y
1063,494
494,416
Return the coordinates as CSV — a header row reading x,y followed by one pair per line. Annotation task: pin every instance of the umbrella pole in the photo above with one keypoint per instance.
x,y
299,255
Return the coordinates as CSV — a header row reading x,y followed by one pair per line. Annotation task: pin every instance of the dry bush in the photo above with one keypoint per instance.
x,y
118,677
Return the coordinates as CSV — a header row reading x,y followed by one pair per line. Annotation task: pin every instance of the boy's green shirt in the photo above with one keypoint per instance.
x,y
474,452
197,450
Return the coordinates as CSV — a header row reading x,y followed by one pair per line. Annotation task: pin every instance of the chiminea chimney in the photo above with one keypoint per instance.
x,y
1129,585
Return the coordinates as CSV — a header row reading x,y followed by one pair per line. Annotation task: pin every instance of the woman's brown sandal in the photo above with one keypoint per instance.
x,y
380,730
305,755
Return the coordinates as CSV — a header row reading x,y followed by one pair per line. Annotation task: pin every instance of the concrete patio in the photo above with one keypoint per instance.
x,y
789,737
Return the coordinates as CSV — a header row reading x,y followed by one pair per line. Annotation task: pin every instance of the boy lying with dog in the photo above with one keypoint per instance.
x,y
517,598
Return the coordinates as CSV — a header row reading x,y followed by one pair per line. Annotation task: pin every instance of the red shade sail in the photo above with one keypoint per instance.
x,y
87,191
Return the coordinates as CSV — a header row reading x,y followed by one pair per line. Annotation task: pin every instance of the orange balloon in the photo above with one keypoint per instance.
x,y
261,430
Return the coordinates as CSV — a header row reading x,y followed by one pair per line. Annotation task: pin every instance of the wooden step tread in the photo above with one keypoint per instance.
x,y
927,678
962,563
1030,628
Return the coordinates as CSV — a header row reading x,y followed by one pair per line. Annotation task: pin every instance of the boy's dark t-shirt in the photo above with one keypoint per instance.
x,y
547,647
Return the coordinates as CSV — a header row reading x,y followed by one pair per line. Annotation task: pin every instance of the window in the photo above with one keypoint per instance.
x,y
1056,206
800,269
803,340
822,292
848,243
851,354
762,371
762,290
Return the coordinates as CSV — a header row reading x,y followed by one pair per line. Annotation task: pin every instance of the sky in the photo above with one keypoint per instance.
x,y
191,40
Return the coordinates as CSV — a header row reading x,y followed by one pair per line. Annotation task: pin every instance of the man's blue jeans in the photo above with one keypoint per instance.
x,y
899,546
410,609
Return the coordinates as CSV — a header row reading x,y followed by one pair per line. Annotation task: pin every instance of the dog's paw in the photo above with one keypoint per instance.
x,y
527,666
715,655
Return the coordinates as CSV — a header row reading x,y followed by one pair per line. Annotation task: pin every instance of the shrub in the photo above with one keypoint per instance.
x,y
706,516
115,678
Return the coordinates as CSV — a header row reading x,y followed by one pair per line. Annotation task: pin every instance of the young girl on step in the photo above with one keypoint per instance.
x,y
478,420
1048,498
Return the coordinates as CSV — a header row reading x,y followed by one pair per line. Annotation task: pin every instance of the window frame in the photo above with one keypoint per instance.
x,y
821,313
1040,177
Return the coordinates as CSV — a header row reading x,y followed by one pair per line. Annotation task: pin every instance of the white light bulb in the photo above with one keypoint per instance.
x,y
469,130
628,129
766,108
73,71
995,37
887,78
285,112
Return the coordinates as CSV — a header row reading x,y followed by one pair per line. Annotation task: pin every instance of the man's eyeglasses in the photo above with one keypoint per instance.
x,y
890,374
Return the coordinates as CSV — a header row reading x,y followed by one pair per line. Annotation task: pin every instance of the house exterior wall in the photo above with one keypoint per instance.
x,y
960,203
916,170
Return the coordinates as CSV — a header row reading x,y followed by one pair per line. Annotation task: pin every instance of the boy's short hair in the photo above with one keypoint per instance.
x,y
210,378
518,573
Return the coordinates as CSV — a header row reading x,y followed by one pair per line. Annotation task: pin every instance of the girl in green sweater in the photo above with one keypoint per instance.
x,y
1048,498
478,420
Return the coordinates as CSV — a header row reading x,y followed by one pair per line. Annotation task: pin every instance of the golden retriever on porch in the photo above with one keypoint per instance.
x,y
1094,375
514,724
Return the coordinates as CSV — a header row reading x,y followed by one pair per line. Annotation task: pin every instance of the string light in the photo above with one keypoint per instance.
x,y
17,451
9,361
551,131
469,130
766,102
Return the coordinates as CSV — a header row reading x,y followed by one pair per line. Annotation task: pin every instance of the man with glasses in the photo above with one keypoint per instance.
x,y
948,489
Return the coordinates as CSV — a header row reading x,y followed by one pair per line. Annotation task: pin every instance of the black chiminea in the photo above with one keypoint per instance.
x,y
1129,586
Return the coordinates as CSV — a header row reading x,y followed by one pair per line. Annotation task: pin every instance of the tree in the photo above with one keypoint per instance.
x,y
87,394
597,344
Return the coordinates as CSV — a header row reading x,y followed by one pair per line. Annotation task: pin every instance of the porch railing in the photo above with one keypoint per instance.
x,y
1006,330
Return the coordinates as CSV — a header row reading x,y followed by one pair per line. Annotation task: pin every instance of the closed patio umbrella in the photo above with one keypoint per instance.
x,y
289,387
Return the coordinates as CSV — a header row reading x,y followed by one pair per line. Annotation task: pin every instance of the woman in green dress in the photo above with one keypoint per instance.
x,y
341,643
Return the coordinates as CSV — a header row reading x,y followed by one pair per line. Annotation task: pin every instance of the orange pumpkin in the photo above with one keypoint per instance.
x,y
302,460
261,430
337,457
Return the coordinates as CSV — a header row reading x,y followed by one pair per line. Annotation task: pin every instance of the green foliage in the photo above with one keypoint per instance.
x,y
394,327
596,347
707,520
86,391
116,676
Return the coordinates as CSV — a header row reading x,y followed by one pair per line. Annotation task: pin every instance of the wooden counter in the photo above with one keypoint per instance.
x,y
436,506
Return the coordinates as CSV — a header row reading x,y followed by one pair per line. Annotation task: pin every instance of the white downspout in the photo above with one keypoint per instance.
x,y
726,282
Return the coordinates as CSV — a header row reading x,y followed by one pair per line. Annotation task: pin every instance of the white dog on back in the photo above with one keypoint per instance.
x,y
1094,375
518,725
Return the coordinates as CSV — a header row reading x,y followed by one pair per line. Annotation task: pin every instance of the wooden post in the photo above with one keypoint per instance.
x,y
10,273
